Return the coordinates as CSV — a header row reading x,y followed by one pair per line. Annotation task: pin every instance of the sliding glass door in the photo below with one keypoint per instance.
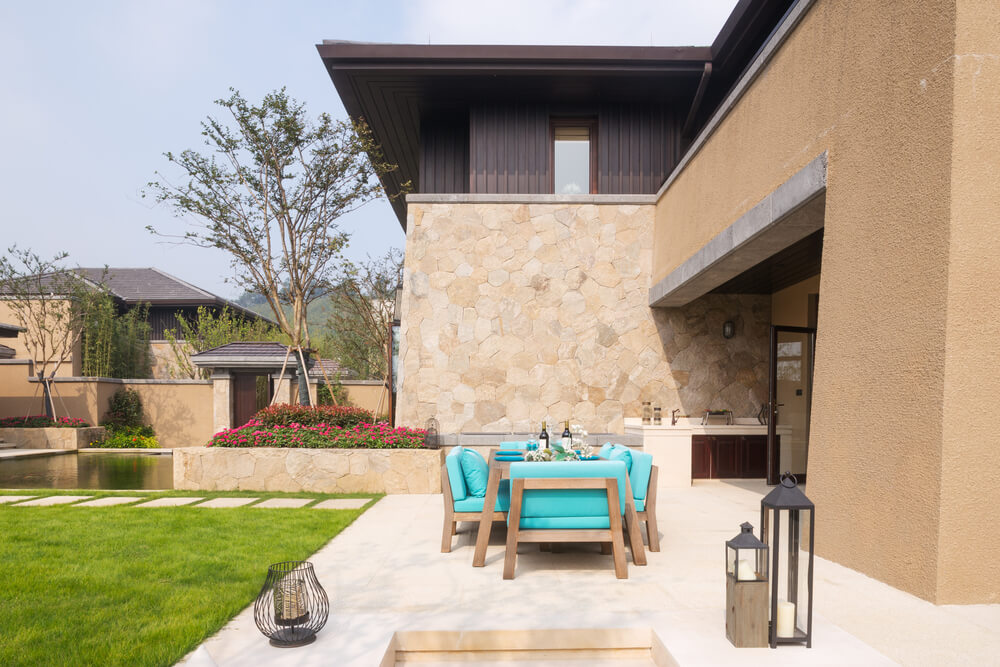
x,y
790,397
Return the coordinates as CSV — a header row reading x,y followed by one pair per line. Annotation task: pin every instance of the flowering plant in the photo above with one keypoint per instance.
x,y
556,453
320,436
286,414
41,421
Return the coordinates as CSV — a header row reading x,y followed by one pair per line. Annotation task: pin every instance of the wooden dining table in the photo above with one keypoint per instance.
x,y
500,469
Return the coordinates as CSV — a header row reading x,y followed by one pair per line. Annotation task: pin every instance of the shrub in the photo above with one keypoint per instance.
x,y
127,437
360,436
41,421
124,410
285,414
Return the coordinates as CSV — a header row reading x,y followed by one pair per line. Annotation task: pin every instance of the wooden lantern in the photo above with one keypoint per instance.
x,y
746,590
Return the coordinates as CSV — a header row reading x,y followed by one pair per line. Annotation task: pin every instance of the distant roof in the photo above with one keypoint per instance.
x,y
6,352
264,356
10,330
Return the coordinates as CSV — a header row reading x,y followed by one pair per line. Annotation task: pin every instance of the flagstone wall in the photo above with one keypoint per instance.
x,y
515,313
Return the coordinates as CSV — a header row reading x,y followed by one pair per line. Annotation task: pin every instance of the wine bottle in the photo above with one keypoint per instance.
x,y
567,438
543,438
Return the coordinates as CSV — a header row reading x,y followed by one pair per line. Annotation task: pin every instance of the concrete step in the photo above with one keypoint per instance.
x,y
7,445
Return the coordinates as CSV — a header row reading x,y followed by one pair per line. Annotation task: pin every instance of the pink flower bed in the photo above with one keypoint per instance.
x,y
360,436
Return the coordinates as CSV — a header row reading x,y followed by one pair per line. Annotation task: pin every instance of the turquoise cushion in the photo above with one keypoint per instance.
x,y
474,504
477,473
565,522
606,449
623,454
640,504
514,444
456,478
639,472
576,503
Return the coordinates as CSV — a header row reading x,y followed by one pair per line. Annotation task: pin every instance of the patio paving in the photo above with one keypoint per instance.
x,y
284,503
227,502
13,499
385,573
342,504
169,502
52,500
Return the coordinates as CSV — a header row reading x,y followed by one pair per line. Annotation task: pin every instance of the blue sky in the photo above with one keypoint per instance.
x,y
96,92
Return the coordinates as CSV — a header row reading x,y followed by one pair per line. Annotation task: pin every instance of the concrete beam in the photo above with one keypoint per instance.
x,y
766,229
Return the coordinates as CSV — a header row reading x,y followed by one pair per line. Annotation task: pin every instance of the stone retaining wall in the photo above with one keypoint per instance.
x,y
52,438
313,470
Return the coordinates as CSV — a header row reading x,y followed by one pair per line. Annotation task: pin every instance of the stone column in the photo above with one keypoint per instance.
x,y
222,400
283,387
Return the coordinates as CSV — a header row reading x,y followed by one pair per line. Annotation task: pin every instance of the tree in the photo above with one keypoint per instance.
x,y
210,330
358,329
51,303
269,192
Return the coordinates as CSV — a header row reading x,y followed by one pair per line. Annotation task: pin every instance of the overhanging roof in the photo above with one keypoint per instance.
x,y
391,86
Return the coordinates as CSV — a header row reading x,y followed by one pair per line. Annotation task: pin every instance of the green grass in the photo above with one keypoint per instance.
x,y
127,586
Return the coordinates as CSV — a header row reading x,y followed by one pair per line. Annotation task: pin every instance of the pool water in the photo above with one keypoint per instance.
x,y
89,470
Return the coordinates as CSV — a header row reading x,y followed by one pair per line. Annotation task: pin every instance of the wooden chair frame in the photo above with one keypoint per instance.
x,y
649,514
451,517
613,535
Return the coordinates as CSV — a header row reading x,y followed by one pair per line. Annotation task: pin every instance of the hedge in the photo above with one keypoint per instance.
x,y
285,414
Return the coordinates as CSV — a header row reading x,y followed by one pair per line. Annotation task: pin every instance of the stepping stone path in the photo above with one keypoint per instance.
x,y
13,499
342,504
169,502
284,503
53,500
110,500
227,502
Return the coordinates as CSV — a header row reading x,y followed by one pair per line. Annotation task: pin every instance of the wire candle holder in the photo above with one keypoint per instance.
x,y
292,605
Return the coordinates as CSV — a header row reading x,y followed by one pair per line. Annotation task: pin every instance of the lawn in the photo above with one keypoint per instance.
x,y
128,586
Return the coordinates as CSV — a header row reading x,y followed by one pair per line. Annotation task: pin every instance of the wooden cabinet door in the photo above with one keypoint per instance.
x,y
726,457
701,457
753,457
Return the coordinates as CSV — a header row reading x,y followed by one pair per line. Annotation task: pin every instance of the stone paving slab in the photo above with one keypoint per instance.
x,y
169,502
110,500
13,499
227,502
53,500
342,504
284,502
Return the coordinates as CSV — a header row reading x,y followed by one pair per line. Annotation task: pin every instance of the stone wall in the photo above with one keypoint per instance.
x,y
314,470
515,313
52,438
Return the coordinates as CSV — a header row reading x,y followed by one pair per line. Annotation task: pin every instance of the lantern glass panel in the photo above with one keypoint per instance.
x,y
746,556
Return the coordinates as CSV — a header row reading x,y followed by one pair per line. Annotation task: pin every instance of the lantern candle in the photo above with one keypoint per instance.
x,y
746,571
786,618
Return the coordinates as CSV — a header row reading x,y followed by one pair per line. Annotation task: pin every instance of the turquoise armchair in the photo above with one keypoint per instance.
x,y
643,476
567,501
463,485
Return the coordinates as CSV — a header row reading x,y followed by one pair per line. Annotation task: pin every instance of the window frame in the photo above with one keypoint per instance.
x,y
590,122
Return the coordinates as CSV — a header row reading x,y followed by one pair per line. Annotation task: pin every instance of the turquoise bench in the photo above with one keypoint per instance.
x,y
463,485
567,501
643,476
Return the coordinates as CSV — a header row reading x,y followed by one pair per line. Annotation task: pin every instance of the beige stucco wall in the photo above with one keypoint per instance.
x,y
790,306
516,313
906,342
316,470
367,396
69,367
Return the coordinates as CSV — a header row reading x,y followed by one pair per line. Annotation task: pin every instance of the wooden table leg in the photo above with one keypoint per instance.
x,y
486,519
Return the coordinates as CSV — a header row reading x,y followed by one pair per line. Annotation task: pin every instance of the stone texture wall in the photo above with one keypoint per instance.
x,y
52,438
315,470
515,313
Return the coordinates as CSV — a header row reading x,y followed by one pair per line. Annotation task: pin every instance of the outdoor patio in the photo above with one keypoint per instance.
x,y
385,574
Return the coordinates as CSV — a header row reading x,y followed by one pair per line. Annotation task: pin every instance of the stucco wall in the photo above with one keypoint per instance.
x,y
516,313
71,366
909,120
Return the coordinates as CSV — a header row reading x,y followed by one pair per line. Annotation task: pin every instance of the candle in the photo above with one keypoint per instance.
x,y
746,571
786,619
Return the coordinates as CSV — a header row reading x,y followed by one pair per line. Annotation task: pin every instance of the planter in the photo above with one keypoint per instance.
x,y
310,470
52,438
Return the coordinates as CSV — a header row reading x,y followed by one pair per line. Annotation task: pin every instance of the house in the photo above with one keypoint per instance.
x,y
797,221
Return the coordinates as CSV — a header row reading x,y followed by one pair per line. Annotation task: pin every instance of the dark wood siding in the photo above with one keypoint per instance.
x,y
164,318
637,147
444,155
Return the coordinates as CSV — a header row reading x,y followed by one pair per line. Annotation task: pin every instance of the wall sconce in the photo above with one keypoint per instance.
x,y
728,329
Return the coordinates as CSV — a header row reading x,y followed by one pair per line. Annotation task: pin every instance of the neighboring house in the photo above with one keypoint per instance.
x,y
593,228
168,298
8,331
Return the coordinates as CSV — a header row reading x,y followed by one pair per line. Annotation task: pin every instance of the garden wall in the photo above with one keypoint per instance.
x,y
312,470
52,438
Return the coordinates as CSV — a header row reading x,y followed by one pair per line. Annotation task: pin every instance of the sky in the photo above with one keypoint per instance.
x,y
94,93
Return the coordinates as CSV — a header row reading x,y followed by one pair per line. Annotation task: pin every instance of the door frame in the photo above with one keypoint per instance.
x,y
772,397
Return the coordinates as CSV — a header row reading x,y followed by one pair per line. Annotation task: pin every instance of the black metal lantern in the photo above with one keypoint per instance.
x,y
431,436
292,606
746,590
728,329
781,515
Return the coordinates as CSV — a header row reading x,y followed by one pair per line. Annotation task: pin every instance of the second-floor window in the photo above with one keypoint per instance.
x,y
574,156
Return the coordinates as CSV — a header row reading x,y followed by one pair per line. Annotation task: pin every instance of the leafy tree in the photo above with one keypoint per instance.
x,y
50,302
358,328
269,191
114,345
210,329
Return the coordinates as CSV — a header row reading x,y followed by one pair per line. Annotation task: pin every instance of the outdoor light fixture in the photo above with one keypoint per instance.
x,y
431,437
292,606
728,329
746,590
781,514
